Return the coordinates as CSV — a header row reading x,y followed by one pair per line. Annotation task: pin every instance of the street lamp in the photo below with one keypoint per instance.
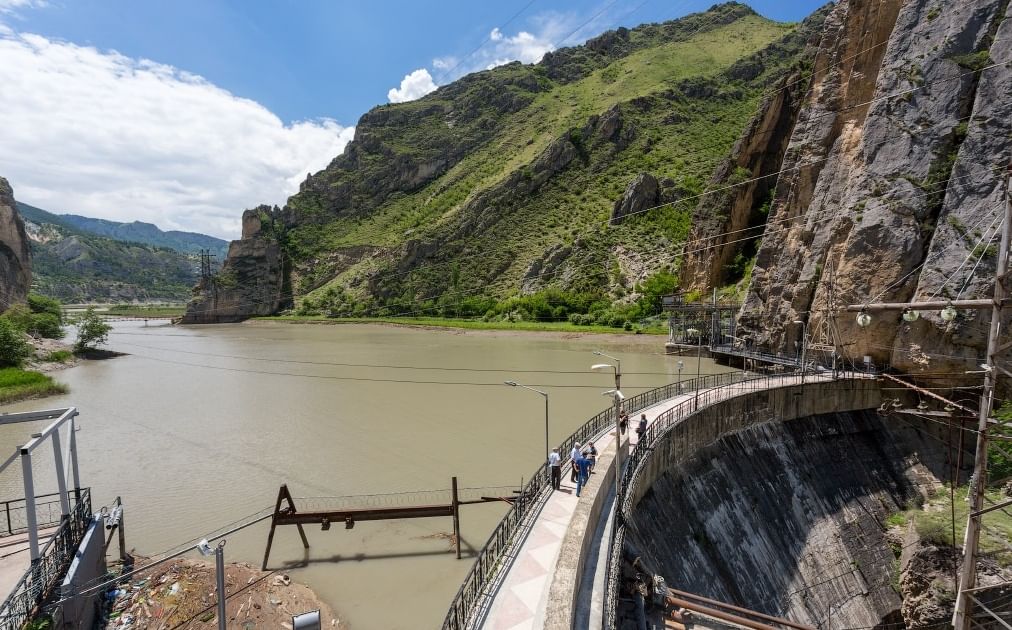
x,y
515,384
681,366
804,346
699,359
617,397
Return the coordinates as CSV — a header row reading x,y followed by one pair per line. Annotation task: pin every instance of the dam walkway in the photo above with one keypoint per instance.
x,y
556,576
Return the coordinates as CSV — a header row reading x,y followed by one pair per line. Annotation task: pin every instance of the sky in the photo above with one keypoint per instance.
x,y
185,113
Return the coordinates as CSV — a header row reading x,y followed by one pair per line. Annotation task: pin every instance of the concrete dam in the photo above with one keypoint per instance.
x,y
778,502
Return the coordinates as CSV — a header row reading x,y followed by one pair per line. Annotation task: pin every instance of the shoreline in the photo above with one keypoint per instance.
x,y
468,327
609,336
182,592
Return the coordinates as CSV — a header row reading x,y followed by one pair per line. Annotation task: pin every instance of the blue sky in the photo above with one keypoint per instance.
x,y
183,113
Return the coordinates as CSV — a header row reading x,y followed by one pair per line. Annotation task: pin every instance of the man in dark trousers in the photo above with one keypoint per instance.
x,y
555,465
582,474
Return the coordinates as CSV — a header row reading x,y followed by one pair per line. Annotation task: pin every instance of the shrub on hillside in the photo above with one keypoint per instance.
x,y
14,348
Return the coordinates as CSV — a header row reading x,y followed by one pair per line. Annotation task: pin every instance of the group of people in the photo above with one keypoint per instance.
x,y
582,463
583,460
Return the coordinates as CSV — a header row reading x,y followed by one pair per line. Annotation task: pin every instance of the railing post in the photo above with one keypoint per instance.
x,y
61,479
32,522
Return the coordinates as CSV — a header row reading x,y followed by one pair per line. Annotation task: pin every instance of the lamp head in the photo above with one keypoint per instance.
x,y
798,322
597,367
616,393
510,383
863,319
948,313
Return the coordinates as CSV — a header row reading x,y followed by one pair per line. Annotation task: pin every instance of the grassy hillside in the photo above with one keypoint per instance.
x,y
502,183
75,266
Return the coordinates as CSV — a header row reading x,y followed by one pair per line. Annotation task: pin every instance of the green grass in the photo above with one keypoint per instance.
x,y
131,310
933,523
58,356
471,324
17,384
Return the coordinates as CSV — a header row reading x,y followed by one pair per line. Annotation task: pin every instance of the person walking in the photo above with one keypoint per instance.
x,y
573,456
583,474
555,465
590,452
642,427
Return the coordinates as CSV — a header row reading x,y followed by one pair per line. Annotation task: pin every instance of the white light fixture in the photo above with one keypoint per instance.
x,y
948,313
602,366
910,315
863,319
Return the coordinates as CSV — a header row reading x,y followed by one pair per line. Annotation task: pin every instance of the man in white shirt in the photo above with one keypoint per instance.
x,y
555,465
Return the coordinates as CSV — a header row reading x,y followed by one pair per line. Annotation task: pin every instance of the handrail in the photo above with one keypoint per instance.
x,y
42,576
13,517
490,560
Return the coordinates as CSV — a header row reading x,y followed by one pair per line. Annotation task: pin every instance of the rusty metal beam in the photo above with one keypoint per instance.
x,y
778,620
374,514
719,614
928,393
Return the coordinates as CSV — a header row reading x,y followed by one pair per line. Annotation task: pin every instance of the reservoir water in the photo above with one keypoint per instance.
x,y
198,427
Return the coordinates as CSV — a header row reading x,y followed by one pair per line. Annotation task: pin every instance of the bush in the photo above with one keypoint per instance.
x,y
14,348
91,330
37,324
42,304
58,356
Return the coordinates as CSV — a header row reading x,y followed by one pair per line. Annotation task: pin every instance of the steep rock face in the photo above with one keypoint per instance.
x,y
724,222
641,193
252,280
15,258
869,174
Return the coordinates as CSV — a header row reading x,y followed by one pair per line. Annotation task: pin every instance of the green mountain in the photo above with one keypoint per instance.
x,y
137,232
76,266
521,179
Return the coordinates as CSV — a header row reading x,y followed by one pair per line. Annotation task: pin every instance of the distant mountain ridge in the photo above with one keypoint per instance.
x,y
134,232
76,265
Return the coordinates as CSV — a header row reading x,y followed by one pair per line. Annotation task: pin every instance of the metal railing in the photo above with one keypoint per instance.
x,y
45,573
14,513
491,560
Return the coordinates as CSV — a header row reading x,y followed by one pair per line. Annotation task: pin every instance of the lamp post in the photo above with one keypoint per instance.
x,y
617,397
515,384
699,360
804,346
681,366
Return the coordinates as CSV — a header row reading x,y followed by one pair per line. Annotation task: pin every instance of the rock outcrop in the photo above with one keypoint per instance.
x,y
890,187
15,256
252,280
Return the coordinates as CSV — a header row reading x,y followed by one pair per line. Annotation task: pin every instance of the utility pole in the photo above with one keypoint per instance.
x,y
968,573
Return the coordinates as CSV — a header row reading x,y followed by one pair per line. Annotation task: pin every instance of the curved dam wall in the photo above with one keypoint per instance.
x,y
776,502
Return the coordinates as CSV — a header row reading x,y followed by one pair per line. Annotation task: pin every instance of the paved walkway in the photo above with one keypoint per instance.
x,y
523,595
520,601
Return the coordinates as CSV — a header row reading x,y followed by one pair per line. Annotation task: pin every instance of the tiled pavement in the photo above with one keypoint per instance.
x,y
521,599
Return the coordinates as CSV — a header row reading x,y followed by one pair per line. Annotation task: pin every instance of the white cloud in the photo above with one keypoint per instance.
x,y
528,46
10,6
413,86
97,133
444,63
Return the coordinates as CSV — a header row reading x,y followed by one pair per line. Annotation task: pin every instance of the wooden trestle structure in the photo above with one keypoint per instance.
x,y
290,515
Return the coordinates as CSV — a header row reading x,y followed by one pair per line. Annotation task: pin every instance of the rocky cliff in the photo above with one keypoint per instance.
x,y
15,259
890,188
251,281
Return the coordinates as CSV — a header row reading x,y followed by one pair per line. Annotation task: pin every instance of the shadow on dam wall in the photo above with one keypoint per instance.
x,y
788,517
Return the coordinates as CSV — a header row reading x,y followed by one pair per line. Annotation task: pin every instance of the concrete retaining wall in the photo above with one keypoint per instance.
x,y
775,502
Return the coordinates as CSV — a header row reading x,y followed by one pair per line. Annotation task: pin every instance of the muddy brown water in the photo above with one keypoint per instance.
x,y
198,427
